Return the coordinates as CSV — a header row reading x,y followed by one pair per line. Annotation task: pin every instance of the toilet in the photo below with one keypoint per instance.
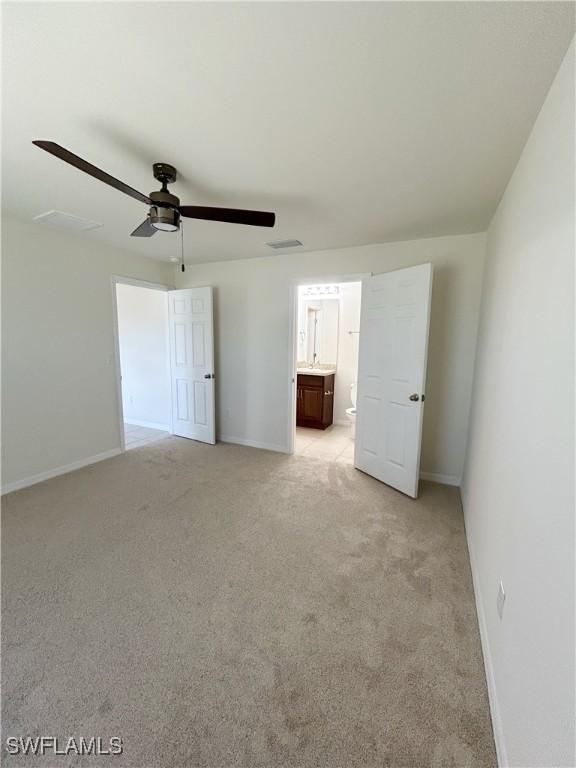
x,y
351,412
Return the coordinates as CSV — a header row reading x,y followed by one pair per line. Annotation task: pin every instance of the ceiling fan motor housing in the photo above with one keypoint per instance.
x,y
166,219
164,214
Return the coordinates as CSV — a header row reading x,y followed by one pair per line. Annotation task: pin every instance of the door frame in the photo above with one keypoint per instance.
x,y
114,281
295,283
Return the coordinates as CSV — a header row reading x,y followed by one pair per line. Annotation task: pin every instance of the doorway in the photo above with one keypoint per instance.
x,y
326,369
393,318
144,362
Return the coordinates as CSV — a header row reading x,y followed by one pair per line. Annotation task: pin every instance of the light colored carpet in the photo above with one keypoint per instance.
x,y
224,606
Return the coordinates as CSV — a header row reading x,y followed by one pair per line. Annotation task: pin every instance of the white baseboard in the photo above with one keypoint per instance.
x,y
33,479
253,443
442,479
149,424
436,478
497,728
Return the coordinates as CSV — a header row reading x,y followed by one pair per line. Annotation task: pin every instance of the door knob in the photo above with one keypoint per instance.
x,y
414,397
209,376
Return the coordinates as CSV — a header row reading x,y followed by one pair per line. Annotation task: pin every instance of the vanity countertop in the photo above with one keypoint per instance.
x,y
316,371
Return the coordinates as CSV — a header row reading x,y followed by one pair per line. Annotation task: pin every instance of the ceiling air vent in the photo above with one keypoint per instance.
x,y
277,244
62,220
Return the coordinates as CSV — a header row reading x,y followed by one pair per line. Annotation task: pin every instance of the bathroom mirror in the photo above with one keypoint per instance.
x,y
318,331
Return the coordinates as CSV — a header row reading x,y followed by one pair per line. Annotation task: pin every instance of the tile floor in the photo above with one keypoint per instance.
x,y
135,436
332,444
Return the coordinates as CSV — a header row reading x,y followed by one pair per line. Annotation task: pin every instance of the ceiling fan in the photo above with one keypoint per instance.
x,y
165,209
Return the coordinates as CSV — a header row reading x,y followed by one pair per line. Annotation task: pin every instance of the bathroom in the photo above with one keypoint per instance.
x,y
327,344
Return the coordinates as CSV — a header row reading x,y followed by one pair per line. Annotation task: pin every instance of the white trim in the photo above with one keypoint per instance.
x,y
354,277
447,479
497,727
141,283
117,369
435,477
253,443
115,279
39,478
148,424
292,336
170,426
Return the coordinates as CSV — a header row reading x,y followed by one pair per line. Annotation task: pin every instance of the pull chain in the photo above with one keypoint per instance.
x,y
182,232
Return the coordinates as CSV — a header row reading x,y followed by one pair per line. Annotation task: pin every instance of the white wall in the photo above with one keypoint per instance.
x,y
143,337
59,394
252,332
518,491
347,368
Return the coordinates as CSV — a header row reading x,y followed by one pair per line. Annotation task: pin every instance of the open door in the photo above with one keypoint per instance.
x,y
192,363
394,324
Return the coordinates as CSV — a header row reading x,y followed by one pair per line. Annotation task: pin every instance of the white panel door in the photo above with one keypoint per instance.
x,y
394,323
192,363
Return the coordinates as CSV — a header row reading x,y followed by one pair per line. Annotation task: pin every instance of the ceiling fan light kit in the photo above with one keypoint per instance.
x,y
165,210
164,219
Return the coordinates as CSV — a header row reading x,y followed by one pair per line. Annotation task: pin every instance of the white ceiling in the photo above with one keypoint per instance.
x,y
356,122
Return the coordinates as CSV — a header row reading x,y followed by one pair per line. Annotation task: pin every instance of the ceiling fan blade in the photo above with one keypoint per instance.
x,y
144,230
231,215
92,170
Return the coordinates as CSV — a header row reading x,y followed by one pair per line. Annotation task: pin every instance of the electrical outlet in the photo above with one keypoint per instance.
x,y
500,600
227,413
131,399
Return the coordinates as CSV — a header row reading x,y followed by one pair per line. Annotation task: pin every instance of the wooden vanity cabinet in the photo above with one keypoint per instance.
x,y
314,400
